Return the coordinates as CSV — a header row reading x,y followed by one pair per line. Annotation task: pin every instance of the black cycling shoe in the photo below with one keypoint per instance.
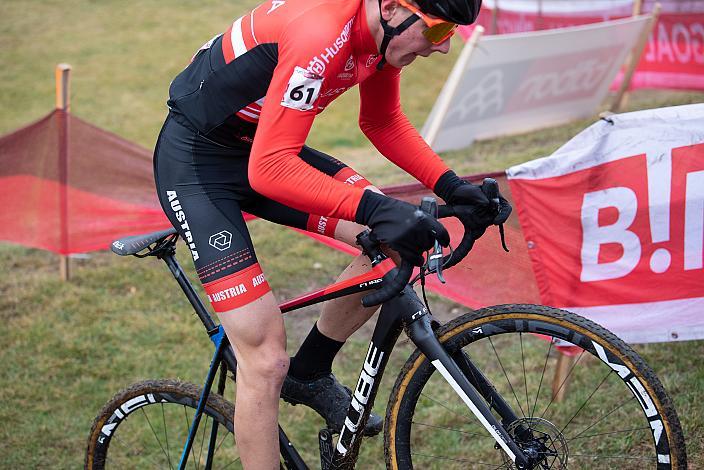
x,y
329,398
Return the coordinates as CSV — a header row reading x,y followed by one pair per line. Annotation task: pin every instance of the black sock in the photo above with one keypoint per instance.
x,y
314,358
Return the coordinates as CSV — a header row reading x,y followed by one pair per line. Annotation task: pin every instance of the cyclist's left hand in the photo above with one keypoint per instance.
x,y
470,204
476,211
474,218
468,194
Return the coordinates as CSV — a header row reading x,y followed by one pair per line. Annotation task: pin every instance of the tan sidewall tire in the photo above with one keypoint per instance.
x,y
454,330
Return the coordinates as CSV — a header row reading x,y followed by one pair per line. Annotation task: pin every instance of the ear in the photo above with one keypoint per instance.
x,y
388,8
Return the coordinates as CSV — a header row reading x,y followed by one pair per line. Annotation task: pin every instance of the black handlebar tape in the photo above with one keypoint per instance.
x,y
445,211
390,290
461,251
465,245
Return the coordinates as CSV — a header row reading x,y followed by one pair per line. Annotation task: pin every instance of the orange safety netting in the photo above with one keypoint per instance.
x,y
70,187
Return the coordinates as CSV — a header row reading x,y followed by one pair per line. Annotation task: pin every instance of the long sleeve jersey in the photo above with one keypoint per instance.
x,y
273,71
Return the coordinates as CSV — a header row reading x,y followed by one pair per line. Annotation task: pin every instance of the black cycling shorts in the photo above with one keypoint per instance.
x,y
204,189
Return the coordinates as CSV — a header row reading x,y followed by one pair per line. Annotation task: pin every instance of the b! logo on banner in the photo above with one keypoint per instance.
x,y
628,230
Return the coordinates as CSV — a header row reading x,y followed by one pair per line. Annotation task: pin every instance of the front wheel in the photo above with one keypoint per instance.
x,y
607,409
147,424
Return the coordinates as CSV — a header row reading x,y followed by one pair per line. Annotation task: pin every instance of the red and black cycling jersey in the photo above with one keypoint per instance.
x,y
266,78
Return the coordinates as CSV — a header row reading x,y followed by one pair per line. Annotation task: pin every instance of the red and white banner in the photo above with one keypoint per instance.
x,y
521,16
674,55
614,223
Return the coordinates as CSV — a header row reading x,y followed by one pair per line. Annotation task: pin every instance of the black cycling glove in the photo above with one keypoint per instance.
x,y
400,225
470,203
456,191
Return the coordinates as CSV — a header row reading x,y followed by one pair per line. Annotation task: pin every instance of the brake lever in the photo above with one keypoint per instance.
x,y
503,238
491,190
430,206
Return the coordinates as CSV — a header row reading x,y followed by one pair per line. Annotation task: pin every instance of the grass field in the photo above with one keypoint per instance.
x,y
67,348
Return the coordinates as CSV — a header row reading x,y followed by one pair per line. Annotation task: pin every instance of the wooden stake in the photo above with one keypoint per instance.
x,y
63,87
451,85
637,8
560,380
634,57
63,103
495,18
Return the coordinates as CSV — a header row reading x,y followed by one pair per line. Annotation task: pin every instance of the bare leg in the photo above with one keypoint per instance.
x,y
342,317
339,319
257,334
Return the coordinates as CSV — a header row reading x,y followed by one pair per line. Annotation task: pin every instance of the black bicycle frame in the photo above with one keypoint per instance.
x,y
404,311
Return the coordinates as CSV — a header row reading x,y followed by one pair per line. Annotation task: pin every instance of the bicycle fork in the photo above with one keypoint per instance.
x,y
457,370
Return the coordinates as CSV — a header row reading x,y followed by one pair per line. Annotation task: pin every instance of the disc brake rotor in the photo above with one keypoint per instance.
x,y
541,441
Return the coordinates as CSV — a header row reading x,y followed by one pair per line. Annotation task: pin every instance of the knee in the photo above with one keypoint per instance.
x,y
270,367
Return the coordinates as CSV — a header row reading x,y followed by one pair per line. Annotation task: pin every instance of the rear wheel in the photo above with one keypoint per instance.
x,y
147,424
614,412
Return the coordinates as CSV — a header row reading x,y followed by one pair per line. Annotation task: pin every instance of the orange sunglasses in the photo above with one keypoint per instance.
x,y
438,30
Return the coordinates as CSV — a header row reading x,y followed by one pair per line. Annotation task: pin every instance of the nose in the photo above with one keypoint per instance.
x,y
443,47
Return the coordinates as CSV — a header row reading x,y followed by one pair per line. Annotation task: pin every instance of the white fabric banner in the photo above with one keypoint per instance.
x,y
515,83
614,223
673,57
610,7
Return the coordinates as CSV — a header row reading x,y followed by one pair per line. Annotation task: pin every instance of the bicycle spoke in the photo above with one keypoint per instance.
x,y
586,401
166,436
618,407
473,434
525,377
188,426
614,457
542,375
231,463
155,436
564,381
202,438
446,407
129,448
609,432
438,457
222,441
506,375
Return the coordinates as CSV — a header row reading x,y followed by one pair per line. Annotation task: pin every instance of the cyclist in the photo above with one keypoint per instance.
x,y
234,141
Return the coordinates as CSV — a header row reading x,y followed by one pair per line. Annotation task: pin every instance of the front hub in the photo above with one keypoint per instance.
x,y
541,442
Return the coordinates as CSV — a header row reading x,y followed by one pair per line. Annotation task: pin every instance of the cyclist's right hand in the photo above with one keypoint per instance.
x,y
400,225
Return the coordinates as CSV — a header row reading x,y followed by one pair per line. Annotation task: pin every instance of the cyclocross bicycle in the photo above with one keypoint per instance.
x,y
474,394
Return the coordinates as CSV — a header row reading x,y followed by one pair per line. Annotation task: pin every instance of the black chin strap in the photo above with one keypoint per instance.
x,y
390,32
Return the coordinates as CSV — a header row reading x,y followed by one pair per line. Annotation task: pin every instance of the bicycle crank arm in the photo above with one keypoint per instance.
x,y
424,338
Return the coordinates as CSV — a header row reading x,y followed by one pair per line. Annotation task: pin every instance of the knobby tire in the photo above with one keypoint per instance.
x,y
606,420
